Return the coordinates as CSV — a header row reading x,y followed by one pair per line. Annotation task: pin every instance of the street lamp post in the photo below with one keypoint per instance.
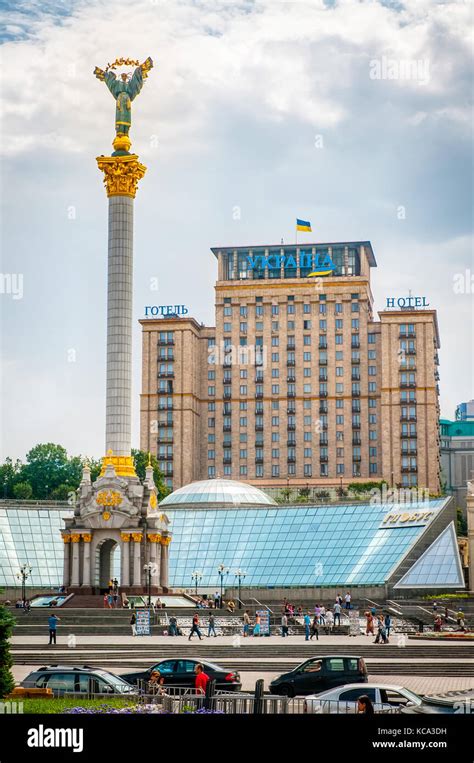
x,y
196,576
23,575
148,569
222,570
240,575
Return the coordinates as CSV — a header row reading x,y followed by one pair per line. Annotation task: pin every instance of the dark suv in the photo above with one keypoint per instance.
x,y
319,674
64,679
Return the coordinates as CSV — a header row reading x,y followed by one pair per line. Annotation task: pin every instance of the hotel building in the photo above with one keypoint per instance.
x,y
298,384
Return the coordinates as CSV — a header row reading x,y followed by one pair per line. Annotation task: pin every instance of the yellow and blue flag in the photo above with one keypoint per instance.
x,y
303,225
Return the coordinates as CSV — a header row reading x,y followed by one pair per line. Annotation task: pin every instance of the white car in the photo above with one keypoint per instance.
x,y
385,698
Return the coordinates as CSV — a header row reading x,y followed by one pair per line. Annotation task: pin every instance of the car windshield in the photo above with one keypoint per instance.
x,y
415,698
119,683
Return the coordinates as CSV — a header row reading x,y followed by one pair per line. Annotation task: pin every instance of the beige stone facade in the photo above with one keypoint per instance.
x,y
297,384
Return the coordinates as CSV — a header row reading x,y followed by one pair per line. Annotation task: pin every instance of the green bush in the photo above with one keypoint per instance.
x,y
22,491
62,704
7,623
440,596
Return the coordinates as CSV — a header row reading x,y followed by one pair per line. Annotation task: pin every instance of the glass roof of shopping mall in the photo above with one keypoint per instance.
x,y
302,545
222,492
293,545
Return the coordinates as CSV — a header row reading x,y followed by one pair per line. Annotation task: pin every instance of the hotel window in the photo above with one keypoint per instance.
x,y
211,471
323,470
290,309
356,420
307,339
355,307
323,325
211,390
243,311
228,327
243,437
243,389
275,470
243,470
372,435
306,308
307,405
306,356
308,470
322,308
275,341
372,452
259,326
243,453
372,386
355,324
259,470
227,471
372,402
308,452
340,419
338,307
306,372
339,388
275,310
356,389
339,355
339,324
243,373
211,375
243,421
372,370
275,325
339,468
275,389
275,357
323,389
275,437
259,311
339,403
308,436
291,326
211,423
227,311
339,452
275,421
339,370
372,354
243,327
372,418
306,325
338,338
211,406
211,454
275,373
307,421
371,338
275,405
339,436
211,438
276,453
373,467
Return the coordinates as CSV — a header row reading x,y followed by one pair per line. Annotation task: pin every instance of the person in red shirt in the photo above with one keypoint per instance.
x,y
201,679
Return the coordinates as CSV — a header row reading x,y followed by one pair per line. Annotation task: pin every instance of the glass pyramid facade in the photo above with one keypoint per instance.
x,y
439,565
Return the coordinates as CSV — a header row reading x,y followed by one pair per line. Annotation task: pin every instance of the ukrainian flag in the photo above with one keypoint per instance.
x,y
303,225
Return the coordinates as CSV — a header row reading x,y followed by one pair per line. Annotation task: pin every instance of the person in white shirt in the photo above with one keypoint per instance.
x,y
347,599
337,613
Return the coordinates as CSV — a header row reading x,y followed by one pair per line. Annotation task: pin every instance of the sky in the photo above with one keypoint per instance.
x,y
353,115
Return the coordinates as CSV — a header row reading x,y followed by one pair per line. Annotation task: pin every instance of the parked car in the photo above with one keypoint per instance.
x,y
64,679
182,673
319,674
451,702
343,699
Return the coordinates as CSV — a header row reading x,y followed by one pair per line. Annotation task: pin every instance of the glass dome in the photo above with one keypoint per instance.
x,y
222,492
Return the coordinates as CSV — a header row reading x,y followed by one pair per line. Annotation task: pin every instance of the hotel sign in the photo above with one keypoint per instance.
x,y
406,519
166,311
410,301
323,263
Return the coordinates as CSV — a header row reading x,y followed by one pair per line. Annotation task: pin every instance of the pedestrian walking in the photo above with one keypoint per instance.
x,y
347,599
314,629
256,627
211,626
388,624
173,626
329,621
110,600
381,632
246,619
284,625
307,625
337,613
322,616
133,624
195,627
105,600
52,625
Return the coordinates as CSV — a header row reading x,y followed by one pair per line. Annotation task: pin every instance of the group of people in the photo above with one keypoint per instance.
x,y
441,619
156,684
215,602
378,625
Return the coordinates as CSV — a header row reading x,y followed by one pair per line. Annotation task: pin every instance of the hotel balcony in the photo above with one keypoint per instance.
x,y
323,394
226,460
259,427
356,459
290,362
407,335
407,385
323,362
407,418
291,443
291,427
164,457
408,435
356,441
166,375
258,460
165,407
410,351
291,394
165,342
323,408
323,459
409,469
227,428
291,379
291,459
323,377
356,425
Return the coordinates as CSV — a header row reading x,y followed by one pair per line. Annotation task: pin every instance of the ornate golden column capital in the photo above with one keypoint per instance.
x,y
137,537
66,538
165,540
86,537
75,537
121,174
125,537
154,537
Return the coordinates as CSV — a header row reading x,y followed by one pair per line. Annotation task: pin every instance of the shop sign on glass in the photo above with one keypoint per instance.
x,y
406,518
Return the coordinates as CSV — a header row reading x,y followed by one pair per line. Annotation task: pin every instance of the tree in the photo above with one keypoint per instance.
x,y
140,460
61,493
46,468
10,474
7,623
22,491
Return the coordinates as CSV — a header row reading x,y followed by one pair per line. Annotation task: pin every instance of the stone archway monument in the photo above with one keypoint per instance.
x,y
117,508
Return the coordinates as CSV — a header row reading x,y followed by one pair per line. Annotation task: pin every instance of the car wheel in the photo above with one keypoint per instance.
x,y
286,691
